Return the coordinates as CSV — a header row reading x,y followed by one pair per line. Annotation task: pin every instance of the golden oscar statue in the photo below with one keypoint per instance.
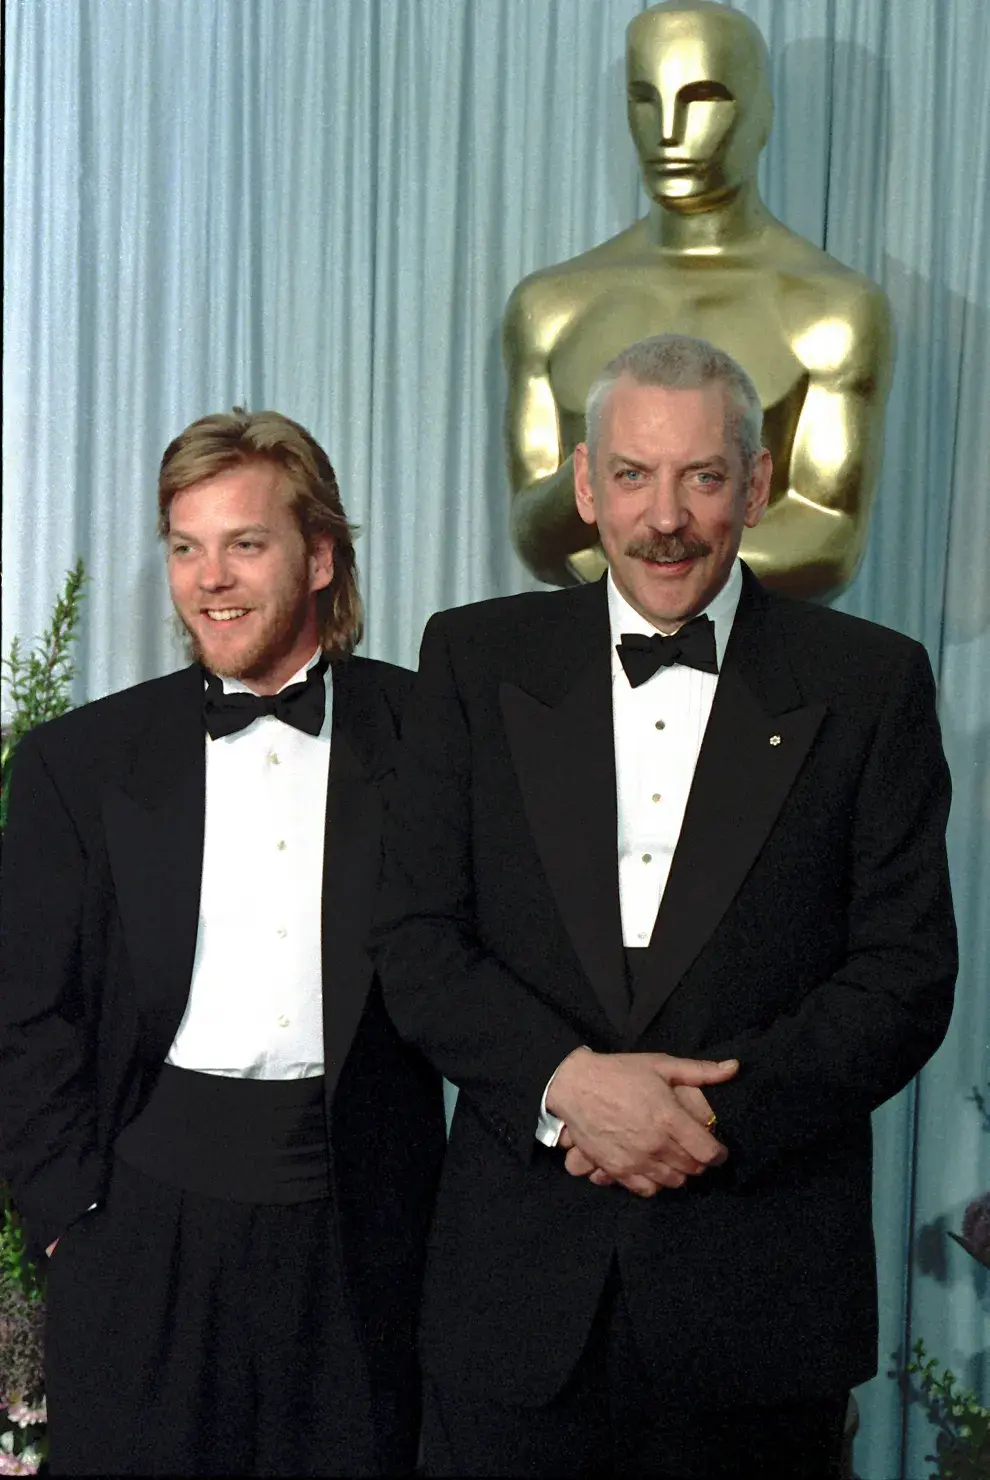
x,y
709,260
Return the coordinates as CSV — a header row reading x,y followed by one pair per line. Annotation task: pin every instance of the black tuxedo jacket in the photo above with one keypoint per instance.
x,y
101,876
806,928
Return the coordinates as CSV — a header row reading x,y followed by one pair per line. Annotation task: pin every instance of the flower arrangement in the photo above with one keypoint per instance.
x,y
962,1423
23,1415
38,689
962,1444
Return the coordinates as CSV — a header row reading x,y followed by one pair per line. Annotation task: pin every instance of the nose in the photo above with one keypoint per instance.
x,y
671,119
214,571
667,511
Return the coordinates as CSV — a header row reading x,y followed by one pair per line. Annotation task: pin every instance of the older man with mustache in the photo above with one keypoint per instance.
x,y
666,897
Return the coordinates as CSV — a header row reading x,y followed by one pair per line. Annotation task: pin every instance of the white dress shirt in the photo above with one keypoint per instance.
x,y
255,1008
658,729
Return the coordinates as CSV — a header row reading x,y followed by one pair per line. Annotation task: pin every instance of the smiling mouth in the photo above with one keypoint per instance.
x,y
225,613
680,567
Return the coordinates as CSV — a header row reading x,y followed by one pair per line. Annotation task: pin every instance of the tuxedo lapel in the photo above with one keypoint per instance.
x,y
756,741
362,752
564,756
154,821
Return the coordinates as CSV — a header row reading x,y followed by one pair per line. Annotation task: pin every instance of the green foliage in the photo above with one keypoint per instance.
x,y
17,1271
22,1335
962,1424
38,689
39,681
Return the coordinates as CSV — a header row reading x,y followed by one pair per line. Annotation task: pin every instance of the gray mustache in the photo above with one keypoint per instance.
x,y
668,547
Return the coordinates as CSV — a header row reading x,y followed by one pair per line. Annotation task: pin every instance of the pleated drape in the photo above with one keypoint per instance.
x,y
322,206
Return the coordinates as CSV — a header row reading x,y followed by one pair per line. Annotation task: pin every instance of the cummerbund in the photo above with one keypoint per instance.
x,y
241,1140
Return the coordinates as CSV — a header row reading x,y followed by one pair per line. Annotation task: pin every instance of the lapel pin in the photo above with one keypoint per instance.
x,y
774,739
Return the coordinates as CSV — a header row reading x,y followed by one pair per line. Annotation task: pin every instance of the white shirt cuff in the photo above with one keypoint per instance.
x,y
548,1127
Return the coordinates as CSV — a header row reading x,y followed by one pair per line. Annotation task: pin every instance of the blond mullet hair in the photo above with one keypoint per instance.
x,y
230,439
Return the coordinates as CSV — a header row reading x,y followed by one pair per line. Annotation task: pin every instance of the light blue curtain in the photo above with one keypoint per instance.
x,y
322,206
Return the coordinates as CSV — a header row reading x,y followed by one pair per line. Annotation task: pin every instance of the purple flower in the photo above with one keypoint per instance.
x,y
19,1464
24,1416
976,1228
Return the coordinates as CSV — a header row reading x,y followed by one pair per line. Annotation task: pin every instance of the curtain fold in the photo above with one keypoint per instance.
x,y
323,207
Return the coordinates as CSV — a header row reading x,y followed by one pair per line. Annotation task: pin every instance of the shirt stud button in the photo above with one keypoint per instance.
x,y
283,1021
660,724
647,857
655,797
280,845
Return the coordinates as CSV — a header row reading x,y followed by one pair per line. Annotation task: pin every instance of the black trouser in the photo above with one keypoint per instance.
x,y
191,1334
610,1420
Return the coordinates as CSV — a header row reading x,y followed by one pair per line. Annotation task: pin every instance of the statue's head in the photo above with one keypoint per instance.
x,y
699,100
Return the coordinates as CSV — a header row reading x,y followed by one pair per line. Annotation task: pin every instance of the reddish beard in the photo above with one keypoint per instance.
x,y
280,632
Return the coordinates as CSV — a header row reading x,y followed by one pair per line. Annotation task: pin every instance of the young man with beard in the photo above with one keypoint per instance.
x,y
207,1119
666,897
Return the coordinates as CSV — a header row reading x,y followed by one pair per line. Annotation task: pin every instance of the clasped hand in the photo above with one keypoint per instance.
x,y
639,1119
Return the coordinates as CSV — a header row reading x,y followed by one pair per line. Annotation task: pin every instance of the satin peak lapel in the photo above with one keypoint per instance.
x,y
758,736
154,823
362,751
564,757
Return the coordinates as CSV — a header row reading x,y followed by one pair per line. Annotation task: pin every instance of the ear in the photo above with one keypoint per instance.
x,y
758,492
320,562
584,496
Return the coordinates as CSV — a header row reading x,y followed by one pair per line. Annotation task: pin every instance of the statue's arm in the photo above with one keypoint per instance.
x,y
811,539
546,527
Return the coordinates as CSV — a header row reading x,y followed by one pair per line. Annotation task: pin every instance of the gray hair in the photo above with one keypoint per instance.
x,y
678,362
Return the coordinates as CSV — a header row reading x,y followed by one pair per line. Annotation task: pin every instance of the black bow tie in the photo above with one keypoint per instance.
x,y
302,704
693,645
